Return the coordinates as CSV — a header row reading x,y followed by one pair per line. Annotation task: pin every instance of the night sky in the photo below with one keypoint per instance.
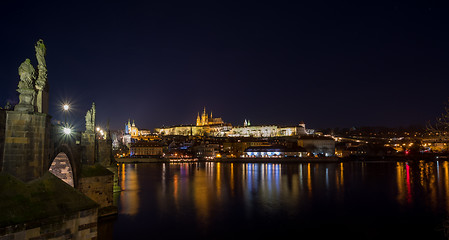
x,y
329,64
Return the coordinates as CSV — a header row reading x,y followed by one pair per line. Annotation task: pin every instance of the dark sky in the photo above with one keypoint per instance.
x,y
327,63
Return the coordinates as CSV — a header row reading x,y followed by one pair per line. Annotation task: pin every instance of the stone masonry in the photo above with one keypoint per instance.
x,y
27,144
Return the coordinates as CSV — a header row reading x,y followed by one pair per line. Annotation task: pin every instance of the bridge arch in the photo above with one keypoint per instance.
x,y
63,153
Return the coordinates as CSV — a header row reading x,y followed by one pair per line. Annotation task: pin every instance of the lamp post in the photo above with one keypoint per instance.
x,y
66,129
98,129
66,108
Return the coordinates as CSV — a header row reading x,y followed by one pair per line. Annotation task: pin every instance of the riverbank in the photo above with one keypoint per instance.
x,y
233,160
141,160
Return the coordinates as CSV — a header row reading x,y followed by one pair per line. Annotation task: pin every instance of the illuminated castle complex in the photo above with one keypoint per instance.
x,y
207,125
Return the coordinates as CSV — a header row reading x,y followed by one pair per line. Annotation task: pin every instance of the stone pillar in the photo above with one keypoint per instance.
x,y
105,152
27,140
88,142
2,135
42,100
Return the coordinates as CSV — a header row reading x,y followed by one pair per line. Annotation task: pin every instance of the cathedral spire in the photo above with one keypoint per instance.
x,y
198,120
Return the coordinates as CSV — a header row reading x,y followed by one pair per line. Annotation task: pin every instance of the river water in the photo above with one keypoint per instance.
x,y
355,200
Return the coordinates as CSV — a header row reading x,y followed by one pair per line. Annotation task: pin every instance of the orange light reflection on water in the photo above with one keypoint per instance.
x,y
430,178
130,186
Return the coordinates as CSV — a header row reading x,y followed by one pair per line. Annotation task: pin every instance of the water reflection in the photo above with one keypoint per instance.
x,y
210,198
129,196
210,185
428,179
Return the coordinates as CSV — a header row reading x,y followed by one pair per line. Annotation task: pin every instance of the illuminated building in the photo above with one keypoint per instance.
x,y
208,126
145,149
131,129
206,150
236,147
267,131
274,151
205,126
133,134
205,120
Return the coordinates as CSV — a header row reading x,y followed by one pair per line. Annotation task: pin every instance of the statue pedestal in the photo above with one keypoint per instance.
x,y
24,108
27,140
26,100
88,142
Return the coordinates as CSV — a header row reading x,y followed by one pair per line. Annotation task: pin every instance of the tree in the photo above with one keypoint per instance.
x,y
441,126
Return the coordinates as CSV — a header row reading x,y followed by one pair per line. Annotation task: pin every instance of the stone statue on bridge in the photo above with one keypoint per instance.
x,y
41,51
26,87
41,81
26,73
90,119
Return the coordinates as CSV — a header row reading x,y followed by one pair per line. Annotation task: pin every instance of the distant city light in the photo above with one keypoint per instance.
x,y
65,107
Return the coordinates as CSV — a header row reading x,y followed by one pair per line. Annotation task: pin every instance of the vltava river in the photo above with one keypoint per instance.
x,y
356,200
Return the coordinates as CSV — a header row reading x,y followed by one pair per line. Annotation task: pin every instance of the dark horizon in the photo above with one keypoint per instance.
x,y
329,64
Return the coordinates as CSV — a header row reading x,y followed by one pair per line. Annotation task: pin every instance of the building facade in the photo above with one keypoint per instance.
x,y
268,131
318,145
145,149
274,151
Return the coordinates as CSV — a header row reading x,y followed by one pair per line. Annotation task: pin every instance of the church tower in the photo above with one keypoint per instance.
x,y
128,127
204,118
198,120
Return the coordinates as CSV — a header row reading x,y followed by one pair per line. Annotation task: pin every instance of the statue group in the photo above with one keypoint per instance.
x,y
33,88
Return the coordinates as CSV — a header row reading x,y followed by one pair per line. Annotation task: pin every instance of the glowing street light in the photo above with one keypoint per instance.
x,y
67,131
66,108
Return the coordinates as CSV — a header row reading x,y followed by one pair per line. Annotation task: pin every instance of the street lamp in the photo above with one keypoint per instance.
x,y
67,131
66,108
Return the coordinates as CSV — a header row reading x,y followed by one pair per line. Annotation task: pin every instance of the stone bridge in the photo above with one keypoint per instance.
x,y
30,144
34,203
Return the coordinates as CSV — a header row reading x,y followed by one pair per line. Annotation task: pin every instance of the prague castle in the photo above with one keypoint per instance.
x,y
206,125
